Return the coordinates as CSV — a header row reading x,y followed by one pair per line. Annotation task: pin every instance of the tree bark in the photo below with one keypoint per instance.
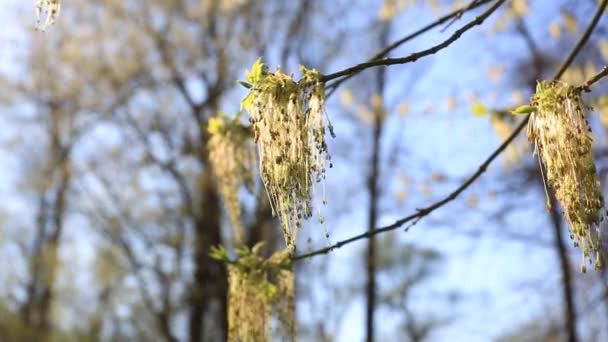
x,y
52,258
210,284
374,195
44,259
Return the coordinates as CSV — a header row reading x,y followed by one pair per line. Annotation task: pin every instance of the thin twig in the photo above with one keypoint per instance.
x,y
422,212
582,41
586,86
382,53
459,15
416,55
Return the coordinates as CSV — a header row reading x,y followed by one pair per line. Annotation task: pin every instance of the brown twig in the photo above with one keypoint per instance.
x,y
459,15
422,212
586,86
416,55
382,53
582,41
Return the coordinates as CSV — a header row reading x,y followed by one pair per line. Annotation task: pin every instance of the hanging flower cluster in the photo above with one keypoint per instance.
x,y
288,120
232,160
561,136
256,286
50,10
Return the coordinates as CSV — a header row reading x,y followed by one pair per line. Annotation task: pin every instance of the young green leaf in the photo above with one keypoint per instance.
x,y
218,253
245,84
525,109
257,70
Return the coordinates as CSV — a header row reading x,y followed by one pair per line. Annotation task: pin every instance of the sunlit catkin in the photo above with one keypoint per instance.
x,y
256,287
250,304
49,9
232,159
561,137
288,120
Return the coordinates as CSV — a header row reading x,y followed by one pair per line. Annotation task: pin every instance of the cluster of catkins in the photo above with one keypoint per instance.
x,y
51,10
250,304
288,121
561,136
232,160
255,287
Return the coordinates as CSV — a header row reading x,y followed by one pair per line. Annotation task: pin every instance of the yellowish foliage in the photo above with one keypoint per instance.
x,y
602,108
604,116
603,46
401,196
347,98
495,72
574,75
232,159
589,70
555,30
108,269
364,111
388,10
517,97
503,129
224,6
365,114
404,108
376,101
500,25
570,22
426,190
405,183
377,105
391,8
520,7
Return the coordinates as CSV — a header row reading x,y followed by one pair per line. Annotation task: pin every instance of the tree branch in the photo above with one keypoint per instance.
x,y
382,53
422,212
582,41
416,55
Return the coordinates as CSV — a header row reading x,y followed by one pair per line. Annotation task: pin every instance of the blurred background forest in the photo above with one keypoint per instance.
x,y
109,210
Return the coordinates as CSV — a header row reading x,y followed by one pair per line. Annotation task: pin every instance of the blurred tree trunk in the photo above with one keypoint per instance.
x,y
210,283
44,259
374,191
570,316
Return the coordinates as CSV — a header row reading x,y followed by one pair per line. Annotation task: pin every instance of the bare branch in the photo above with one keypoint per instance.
x,y
382,53
582,41
416,55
